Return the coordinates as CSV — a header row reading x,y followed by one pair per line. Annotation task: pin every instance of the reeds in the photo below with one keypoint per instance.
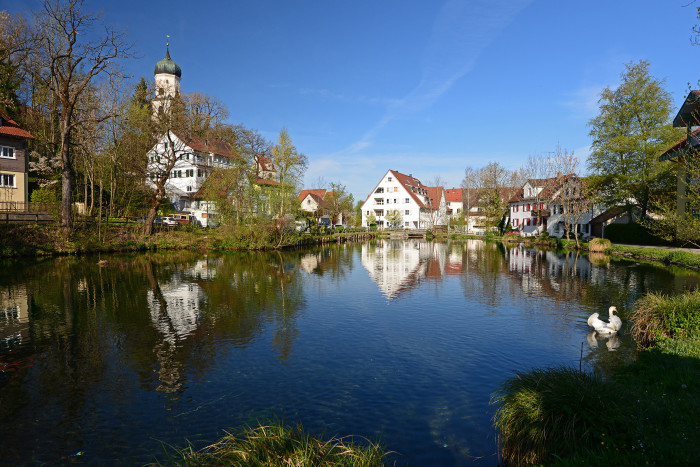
x,y
657,317
599,245
552,412
279,445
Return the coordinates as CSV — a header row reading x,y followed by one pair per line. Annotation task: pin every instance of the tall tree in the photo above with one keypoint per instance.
x,y
631,130
291,166
73,55
16,43
492,181
339,202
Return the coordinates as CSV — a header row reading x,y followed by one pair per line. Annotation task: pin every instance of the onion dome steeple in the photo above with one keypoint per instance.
x,y
167,65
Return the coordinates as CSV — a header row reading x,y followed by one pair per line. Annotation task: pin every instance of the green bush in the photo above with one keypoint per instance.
x,y
658,317
554,412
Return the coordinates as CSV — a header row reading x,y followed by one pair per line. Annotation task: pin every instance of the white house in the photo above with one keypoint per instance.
x,y
419,206
195,158
550,204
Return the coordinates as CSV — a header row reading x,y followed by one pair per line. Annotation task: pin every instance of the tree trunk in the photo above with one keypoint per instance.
x,y
66,179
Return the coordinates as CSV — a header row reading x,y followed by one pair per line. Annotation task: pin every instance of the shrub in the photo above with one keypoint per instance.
x,y
553,412
658,317
599,245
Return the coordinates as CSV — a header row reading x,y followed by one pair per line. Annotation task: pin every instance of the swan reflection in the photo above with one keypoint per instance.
x,y
612,341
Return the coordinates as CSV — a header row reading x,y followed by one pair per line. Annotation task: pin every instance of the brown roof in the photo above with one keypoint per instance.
x,y
265,181
551,185
214,146
9,127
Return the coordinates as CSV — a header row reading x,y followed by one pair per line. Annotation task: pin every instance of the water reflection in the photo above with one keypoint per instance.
x,y
175,345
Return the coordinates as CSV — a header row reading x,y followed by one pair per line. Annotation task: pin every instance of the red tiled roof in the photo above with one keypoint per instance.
x,y
409,181
9,127
266,164
682,143
318,192
435,195
453,195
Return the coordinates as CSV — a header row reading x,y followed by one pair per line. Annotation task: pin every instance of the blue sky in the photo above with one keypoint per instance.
x,y
422,87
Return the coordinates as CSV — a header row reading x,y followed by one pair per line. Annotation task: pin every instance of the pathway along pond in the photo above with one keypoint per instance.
x,y
402,342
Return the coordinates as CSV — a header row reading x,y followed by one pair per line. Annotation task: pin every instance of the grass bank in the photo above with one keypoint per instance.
x,y
279,445
647,413
46,240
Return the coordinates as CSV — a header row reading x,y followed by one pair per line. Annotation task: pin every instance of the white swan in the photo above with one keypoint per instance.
x,y
611,327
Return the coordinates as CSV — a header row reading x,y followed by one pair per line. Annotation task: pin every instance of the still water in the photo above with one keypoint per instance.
x,y
401,342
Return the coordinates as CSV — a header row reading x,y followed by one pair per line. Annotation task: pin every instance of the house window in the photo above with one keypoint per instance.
x,y
308,201
7,180
388,179
528,221
388,201
199,172
7,152
515,222
407,212
541,205
406,223
407,201
395,201
189,188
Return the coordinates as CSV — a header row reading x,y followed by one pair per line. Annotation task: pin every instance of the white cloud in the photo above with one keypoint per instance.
x,y
461,31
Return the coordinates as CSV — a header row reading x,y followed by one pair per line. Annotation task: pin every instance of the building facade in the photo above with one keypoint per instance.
x,y
418,206
14,164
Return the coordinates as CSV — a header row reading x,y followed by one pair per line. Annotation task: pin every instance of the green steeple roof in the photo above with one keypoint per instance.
x,y
167,66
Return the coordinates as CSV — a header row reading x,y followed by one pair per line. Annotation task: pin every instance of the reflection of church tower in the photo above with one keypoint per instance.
x,y
167,77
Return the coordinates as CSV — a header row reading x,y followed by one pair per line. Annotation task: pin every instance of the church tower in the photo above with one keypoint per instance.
x,y
167,78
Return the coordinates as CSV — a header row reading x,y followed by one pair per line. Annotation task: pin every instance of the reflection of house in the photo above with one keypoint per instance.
x,y
419,206
14,317
399,266
175,308
14,162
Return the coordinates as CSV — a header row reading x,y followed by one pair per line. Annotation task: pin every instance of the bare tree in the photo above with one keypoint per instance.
x,y
573,201
71,61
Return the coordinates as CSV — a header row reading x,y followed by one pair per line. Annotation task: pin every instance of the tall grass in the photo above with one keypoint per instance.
x,y
553,412
658,317
277,445
599,245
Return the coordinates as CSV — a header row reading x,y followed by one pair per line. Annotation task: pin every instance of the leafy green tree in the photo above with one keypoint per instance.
x,y
394,218
631,130
492,180
340,202
291,165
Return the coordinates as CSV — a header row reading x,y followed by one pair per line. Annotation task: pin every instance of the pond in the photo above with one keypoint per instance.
x,y
106,360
